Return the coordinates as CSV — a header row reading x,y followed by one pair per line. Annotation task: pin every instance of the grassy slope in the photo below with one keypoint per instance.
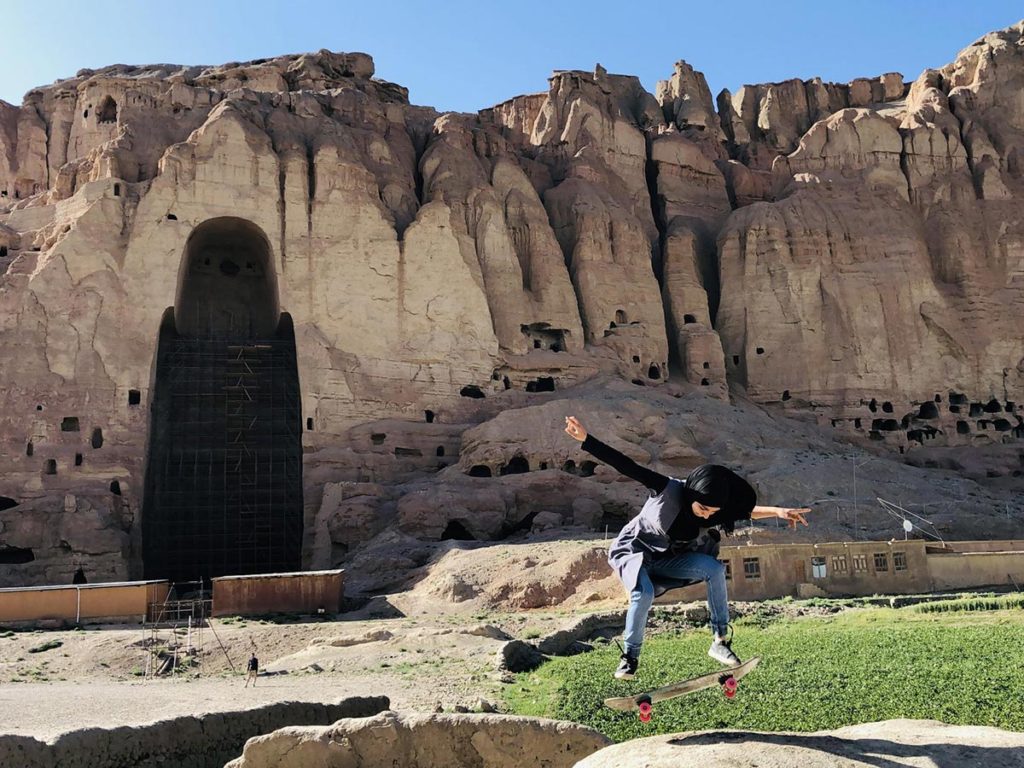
x,y
815,673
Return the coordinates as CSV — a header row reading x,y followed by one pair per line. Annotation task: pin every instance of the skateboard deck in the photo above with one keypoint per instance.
x,y
728,678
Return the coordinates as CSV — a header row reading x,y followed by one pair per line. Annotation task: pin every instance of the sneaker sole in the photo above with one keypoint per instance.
x,y
726,662
626,676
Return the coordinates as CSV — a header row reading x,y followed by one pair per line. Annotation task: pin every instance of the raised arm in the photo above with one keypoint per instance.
x,y
613,458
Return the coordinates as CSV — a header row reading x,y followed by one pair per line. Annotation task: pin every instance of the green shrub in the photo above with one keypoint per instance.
x,y
1006,602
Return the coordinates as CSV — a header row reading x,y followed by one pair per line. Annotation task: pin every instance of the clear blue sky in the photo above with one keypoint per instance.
x,y
465,55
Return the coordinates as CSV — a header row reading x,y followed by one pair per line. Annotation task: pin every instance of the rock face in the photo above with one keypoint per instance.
x,y
891,743
201,741
851,252
425,741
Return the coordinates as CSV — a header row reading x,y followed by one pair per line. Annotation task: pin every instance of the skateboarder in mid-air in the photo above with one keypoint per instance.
x,y
675,540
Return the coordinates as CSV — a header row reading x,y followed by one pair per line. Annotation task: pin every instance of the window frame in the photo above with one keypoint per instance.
x,y
751,573
819,562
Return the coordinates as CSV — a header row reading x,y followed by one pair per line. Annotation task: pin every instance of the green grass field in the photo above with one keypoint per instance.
x,y
816,673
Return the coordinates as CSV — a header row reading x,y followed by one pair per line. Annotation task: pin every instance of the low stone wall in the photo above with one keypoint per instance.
x,y
202,741
426,741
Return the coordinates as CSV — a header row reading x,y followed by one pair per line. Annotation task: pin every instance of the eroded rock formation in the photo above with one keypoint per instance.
x,y
194,741
425,741
892,743
853,252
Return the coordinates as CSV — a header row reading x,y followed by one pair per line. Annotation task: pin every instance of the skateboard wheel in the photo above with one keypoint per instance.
x,y
730,684
645,717
645,709
730,693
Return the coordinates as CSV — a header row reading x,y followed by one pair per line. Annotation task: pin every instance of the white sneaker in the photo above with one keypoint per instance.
x,y
721,651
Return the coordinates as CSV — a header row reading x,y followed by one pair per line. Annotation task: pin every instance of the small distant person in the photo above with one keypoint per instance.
x,y
79,577
254,668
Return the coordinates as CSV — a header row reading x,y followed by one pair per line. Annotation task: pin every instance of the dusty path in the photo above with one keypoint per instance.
x,y
94,678
46,710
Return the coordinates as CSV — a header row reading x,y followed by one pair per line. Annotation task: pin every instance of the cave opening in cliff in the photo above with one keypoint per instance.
x,y
108,111
541,384
456,531
15,555
223,491
517,465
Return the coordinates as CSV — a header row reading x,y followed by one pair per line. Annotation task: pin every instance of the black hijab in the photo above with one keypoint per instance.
x,y
714,486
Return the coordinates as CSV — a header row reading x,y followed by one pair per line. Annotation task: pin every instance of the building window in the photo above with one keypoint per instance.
x,y
899,561
818,569
728,569
751,568
881,561
839,564
860,563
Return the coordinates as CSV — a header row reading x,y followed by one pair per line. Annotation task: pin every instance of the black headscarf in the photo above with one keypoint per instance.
x,y
717,486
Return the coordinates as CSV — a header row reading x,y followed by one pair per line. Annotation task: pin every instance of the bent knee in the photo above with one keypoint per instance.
x,y
716,569
642,594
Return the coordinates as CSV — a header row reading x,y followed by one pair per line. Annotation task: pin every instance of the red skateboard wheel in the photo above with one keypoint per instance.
x,y
645,717
730,693
645,709
731,684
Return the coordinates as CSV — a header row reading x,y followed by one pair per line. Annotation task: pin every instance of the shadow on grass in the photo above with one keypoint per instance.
x,y
876,752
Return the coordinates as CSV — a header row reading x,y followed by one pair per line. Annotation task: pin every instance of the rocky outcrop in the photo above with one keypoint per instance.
x,y
892,743
425,741
200,741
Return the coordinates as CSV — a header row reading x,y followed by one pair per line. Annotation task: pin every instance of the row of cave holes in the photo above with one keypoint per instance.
x,y
878,426
929,410
70,424
962,427
519,465
378,438
540,384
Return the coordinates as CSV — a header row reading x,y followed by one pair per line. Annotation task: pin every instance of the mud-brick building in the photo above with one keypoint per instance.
x,y
845,568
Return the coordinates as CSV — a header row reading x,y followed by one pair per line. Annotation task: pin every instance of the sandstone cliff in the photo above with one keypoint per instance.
x,y
851,252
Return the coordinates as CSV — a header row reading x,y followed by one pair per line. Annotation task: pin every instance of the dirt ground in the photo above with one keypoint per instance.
x,y
96,676
433,645
440,649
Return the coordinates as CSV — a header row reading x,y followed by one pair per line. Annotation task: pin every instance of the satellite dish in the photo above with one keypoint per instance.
x,y
908,526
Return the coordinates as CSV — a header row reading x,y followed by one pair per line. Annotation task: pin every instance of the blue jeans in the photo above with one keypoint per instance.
x,y
695,566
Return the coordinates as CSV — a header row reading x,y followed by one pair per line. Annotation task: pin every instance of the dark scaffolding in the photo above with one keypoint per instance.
x,y
224,483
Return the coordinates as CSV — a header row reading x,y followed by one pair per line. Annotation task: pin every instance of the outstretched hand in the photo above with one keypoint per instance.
x,y
794,516
574,429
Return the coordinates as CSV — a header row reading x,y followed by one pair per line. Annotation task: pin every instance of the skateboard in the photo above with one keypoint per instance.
x,y
728,678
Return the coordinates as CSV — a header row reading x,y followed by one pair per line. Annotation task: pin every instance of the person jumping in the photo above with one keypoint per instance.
x,y
674,541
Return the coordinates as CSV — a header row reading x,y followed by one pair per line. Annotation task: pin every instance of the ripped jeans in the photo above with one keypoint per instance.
x,y
690,566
